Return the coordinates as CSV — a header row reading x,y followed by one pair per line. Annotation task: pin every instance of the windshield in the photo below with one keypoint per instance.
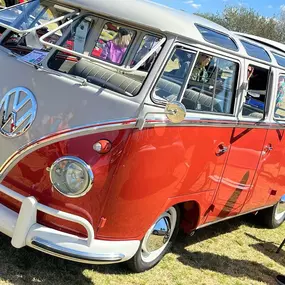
x,y
31,14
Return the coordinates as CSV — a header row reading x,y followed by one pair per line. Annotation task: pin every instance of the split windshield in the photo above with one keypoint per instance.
x,y
99,51
31,14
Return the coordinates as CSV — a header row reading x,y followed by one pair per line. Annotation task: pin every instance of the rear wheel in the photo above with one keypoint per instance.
x,y
157,241
274,216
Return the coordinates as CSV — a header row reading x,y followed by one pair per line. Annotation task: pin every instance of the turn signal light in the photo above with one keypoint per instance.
x,y
102,146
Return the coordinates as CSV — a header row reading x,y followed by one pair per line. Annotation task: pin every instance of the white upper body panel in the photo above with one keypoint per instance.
x,y
149,14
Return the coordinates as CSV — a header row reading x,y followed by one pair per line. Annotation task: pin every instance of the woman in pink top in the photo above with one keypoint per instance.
x,y
115,49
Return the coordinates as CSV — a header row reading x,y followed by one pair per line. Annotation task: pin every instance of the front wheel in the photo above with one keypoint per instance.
x,y
157,241
274,216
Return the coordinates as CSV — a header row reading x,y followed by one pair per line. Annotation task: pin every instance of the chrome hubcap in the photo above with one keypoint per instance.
x,y
280,209
158,236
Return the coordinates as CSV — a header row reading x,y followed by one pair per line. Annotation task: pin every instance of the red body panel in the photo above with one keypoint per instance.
x,y
148,171
160,164
30,178
236,183
269,178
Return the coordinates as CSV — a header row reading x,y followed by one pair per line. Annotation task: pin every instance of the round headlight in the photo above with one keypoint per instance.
x,y
71,176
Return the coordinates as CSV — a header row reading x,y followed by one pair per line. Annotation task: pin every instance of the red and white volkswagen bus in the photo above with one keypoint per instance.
x,y
121,123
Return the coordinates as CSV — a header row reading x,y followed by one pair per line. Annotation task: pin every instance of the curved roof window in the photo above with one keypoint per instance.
x,y
280,59
217,38
256,51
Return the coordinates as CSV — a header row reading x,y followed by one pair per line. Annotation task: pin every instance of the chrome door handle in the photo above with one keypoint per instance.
x,y
267,149
222,149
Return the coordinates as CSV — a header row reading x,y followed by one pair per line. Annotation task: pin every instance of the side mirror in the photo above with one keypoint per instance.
x,y
174,111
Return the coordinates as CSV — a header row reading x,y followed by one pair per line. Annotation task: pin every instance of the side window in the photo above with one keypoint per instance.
x,y
212,85
174,75
254,105
113,43
280,100
78,35
79,53
75,41
147,44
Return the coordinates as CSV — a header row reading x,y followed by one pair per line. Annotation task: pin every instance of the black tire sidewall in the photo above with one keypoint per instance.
x,y
269,217
277,223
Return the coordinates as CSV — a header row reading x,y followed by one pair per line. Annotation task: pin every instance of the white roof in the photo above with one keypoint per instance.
x,y
266,42
149,14
164,19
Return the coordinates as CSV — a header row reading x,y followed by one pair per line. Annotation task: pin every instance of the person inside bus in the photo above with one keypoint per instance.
x,y
280,95
115,49
200,72
250,71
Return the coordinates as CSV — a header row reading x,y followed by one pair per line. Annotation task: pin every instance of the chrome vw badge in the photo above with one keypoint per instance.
x,y
18,109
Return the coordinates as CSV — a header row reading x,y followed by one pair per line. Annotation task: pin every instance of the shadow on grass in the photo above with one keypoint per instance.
x,y
27,266
268,249
225,265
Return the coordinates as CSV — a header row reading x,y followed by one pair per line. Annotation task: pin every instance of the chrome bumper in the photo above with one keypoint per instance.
x,y
25,231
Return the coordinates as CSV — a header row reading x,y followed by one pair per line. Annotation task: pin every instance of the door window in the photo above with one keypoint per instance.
x,y
174,75
212,85
254,105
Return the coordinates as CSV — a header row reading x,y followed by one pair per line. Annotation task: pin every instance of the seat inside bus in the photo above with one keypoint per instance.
x,y
164,89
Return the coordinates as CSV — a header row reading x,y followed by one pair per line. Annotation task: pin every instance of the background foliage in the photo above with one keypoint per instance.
x,y
247,20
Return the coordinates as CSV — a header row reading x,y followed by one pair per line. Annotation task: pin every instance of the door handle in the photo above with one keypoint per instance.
x,y
267,149
222,149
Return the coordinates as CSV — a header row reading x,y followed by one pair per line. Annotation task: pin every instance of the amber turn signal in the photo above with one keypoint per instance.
x,y
102,146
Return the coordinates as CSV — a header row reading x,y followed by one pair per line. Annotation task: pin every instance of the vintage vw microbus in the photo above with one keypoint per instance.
x,y
121,123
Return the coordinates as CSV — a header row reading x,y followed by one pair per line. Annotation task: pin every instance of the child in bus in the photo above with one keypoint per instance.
x,y
116,48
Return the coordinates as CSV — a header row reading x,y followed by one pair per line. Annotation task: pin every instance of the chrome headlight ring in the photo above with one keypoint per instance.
x,y
71,176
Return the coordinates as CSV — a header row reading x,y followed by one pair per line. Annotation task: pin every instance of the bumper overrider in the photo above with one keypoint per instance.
x,y
25,231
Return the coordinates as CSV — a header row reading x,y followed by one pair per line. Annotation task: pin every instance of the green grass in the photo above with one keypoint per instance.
x,y
235,252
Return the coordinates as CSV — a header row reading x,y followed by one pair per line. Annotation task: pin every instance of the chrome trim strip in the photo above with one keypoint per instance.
x,y
214,122
129,123
73,255
69,134
235,216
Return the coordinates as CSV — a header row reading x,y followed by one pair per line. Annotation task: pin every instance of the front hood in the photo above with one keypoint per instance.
x,y
62,104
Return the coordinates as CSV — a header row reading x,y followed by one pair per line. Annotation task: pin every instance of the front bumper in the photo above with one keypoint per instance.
x,y
24,230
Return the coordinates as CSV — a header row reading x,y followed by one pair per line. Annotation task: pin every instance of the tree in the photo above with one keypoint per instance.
x,y
247,20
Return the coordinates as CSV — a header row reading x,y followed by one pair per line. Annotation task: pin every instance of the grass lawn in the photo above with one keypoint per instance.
x,y
233,252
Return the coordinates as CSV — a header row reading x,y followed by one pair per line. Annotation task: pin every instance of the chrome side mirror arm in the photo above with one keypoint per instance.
x,y
175,112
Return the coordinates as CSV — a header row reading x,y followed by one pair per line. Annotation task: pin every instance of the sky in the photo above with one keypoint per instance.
x,y
266,8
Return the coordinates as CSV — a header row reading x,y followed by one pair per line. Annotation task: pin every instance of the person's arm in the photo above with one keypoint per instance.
x,y
105,51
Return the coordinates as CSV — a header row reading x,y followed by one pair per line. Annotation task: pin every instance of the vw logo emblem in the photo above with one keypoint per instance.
x,y
18,109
